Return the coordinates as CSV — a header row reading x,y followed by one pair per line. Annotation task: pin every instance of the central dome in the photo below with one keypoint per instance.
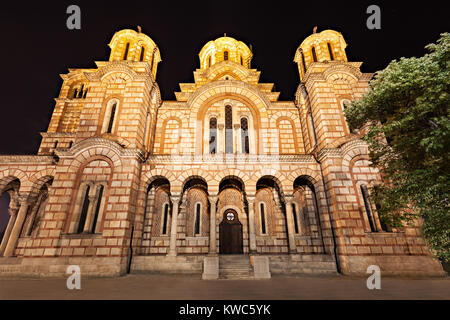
x,y
225,48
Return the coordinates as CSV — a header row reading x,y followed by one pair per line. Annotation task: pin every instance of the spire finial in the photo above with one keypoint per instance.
x,y
315,29
139,29
224,34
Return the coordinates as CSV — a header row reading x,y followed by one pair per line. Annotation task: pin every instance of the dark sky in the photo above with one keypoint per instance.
x,y
37,46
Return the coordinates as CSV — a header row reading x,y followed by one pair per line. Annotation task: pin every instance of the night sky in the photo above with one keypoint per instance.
x,y
37,47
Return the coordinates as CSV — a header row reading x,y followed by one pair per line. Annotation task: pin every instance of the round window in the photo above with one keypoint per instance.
x,y
230,216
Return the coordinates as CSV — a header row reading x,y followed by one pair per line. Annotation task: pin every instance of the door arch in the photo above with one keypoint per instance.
x,y
230,233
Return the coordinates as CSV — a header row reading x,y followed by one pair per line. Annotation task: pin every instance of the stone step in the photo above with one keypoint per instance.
x,y
235,267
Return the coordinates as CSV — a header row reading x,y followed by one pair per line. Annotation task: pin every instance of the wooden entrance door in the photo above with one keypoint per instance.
x,y
230,233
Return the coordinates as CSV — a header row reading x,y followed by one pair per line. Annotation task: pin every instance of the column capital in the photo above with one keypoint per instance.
x,y
175,197
26,199
251,197
13,211
288,198
213,197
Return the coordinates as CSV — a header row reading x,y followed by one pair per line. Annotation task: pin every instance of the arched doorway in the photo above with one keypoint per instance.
x,y
230,233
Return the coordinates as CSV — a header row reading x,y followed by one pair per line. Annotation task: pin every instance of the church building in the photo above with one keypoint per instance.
x,y
224,182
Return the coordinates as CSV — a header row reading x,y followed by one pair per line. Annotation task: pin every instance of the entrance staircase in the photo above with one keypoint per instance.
x,y
235,266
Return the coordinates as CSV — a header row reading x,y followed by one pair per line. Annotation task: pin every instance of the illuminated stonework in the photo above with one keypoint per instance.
x,y
226,168
225,49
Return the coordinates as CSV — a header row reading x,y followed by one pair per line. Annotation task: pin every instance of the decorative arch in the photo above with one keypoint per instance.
x,y
9,175
311,175
40,178
233,173
207,95
164,129
342,72
157,173
85,149
293,132
270,173
191,173
352,149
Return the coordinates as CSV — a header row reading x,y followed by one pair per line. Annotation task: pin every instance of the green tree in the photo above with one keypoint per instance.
x,y
407,113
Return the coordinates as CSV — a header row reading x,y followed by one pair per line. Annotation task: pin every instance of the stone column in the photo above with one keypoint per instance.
x,y
33,213
290,224
12,219
220,138
212,226
90,214
18,224
174,224
251,224
237,138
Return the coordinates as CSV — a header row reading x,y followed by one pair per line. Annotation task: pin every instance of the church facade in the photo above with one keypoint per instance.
x,y
225,180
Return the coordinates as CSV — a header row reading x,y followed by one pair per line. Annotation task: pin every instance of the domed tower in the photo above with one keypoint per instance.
x,y
328,45
328,83
225,49
130,45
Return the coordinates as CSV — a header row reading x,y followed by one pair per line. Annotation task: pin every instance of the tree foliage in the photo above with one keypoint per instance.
x,y
407,108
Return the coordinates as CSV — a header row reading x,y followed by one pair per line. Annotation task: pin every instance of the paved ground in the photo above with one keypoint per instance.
x,y
164,287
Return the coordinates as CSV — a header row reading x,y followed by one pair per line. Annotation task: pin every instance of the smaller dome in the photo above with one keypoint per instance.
x,y
225,48
328,45
131,45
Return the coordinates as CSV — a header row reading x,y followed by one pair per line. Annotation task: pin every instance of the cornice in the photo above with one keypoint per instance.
x,y
27,159
226,158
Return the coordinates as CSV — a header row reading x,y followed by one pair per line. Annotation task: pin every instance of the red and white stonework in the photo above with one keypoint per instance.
x,y
124,181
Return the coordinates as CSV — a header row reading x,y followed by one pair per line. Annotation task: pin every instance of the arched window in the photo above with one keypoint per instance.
x,y
197,218
244,136
228,129
141,58
263,218
84,210
111,117
127,47
330,51
56,144
212,135
85,93
209,61
97,208
294,213
225,55
313,51
165,219
303,60
368,208
242,61
70,144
